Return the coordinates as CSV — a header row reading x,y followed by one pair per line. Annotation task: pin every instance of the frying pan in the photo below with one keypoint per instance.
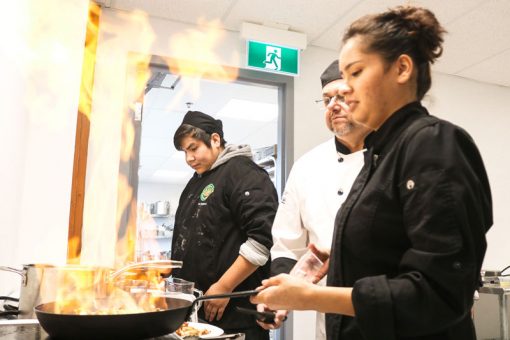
x,y
123,326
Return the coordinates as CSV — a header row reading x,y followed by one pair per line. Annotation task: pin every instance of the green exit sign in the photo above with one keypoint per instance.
x,y
272,58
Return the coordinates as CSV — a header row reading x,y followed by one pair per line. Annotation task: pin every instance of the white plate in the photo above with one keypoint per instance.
x,y
213,330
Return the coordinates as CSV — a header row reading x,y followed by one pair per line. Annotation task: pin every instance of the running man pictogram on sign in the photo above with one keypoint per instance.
x,y
272,54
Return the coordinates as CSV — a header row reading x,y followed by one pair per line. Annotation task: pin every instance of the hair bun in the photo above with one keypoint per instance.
x,y
422,26
410,30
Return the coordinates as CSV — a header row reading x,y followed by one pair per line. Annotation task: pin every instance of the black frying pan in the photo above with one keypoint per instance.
x,y
123,326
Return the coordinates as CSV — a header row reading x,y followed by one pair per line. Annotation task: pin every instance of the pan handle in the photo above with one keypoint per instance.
x,y
156,264
13,270
17,271
242,293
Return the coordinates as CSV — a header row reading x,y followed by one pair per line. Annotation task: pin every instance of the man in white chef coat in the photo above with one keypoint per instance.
x,y
318,184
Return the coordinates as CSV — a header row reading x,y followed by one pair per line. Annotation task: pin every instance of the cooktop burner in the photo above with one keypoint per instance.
x,y
9,310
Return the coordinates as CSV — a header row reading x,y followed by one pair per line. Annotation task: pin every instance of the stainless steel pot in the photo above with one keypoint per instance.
x,y
39,282
30,293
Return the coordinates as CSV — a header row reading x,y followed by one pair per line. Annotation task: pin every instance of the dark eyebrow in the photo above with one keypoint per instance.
x,y
350,64
191,145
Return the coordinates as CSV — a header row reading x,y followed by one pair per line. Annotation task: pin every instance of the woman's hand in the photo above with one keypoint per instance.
x,y
284,292
214,308
280,317
323,255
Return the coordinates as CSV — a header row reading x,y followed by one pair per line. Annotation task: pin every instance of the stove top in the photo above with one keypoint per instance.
x,y
29,329
22,331
9,308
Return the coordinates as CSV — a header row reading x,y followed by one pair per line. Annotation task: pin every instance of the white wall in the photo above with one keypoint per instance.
x,y
483,110
309,121
41,57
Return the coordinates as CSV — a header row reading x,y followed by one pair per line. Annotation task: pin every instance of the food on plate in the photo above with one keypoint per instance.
x,y
187,330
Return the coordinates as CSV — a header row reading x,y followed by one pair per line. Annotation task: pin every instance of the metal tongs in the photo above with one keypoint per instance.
x,y
155,264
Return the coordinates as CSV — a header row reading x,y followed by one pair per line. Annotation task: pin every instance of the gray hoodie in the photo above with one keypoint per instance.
x,y
230,151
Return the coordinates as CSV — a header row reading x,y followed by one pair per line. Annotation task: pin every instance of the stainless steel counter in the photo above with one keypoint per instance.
x,y
502,294
29,329
33,331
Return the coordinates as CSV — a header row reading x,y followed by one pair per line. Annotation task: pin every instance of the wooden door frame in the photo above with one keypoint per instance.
x,y
82,135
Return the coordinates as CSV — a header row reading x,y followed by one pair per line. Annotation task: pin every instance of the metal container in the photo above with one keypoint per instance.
x,y
160,208
31,292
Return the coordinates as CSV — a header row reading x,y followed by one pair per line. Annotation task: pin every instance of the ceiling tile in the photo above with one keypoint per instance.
x,y
477,36
445,11
331,39
178,10
495,70
302,16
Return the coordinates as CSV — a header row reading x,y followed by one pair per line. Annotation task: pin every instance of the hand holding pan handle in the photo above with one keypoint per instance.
x,y
242,293
265,317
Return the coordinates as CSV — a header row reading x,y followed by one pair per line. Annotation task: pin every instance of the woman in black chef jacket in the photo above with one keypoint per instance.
x,y
410,239
223,222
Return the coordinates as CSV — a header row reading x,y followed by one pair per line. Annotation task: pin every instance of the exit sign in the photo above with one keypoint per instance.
x,y
272,58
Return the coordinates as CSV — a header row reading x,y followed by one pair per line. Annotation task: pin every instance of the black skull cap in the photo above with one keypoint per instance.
x,y
203,121
331,73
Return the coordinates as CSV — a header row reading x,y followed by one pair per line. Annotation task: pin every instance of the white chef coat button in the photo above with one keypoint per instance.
x,y
410,184
246,193
340,192
340,160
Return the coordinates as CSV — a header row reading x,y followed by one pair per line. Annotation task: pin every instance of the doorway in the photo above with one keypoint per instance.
x,y
255,110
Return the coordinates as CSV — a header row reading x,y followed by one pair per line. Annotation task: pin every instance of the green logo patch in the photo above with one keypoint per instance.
x,y
208,190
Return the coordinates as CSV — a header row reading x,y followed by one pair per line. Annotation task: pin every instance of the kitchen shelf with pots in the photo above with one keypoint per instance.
x,y
160,232
266,158
160,209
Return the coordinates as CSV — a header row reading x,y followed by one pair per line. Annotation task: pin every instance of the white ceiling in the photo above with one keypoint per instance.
x,y
477,47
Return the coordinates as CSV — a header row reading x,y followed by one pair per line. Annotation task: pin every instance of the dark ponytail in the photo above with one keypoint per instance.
x,y
409,30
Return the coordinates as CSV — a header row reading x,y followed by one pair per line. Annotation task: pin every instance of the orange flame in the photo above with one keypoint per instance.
x,y
84,290
89,60
196,57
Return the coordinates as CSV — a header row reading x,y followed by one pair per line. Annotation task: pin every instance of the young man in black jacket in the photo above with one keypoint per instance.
x,y
223,223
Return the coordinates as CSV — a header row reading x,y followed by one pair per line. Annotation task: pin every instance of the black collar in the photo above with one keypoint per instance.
x,y
382,139
342,148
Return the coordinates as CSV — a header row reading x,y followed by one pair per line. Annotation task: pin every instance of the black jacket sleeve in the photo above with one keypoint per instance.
x,y
254,202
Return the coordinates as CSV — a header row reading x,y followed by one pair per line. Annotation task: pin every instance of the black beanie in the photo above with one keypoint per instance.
x,y
331,73
202,121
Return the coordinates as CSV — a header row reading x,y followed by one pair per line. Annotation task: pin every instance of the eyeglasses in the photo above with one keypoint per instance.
x,y
327,100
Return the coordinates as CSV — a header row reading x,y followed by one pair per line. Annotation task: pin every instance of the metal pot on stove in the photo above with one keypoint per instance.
x,y
39,282
30,293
